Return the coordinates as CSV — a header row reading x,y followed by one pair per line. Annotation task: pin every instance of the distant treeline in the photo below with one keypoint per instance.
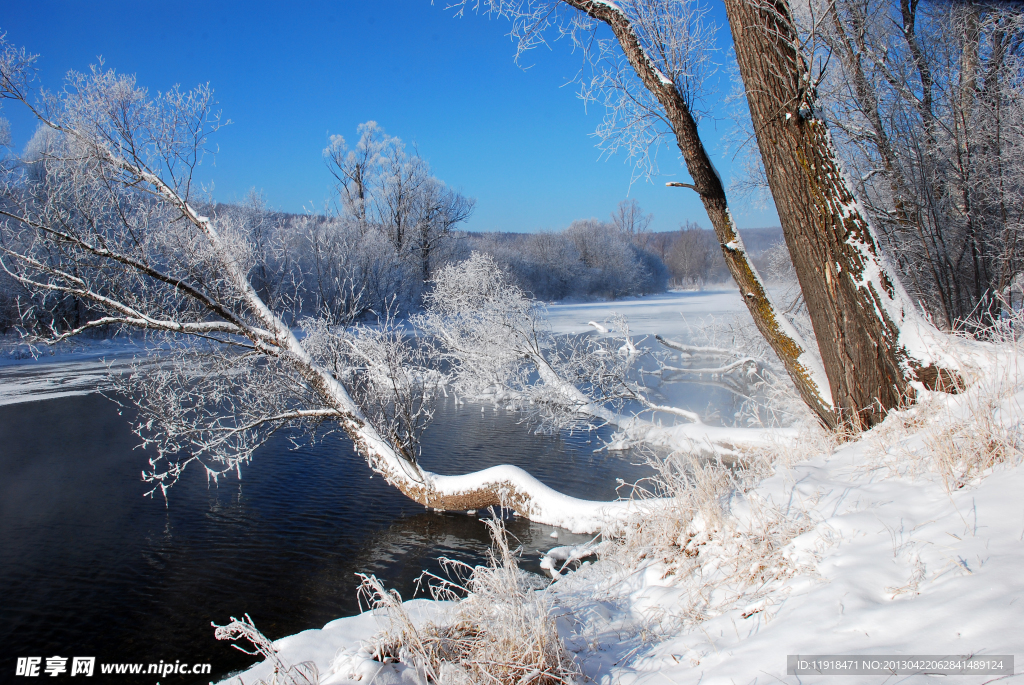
x,y
693,255
589,259
332,264
392,227
593,259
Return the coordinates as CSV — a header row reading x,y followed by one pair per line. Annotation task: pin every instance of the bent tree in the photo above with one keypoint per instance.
x,y
107,214
872,340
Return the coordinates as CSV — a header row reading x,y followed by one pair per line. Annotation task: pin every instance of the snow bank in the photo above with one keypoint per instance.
x,y
337,652
666,314
45,381
887,556
80,368
892,563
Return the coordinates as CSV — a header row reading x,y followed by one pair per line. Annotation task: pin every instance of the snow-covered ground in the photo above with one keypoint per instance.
x,y
74,369
892,564
669,314
856,548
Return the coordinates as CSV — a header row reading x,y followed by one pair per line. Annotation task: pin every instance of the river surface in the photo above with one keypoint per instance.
x,y
90,567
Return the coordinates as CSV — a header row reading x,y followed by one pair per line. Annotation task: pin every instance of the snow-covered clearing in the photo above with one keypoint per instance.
x,y
669,314
908,540
73,369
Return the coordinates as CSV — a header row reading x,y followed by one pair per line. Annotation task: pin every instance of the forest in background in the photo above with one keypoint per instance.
x,y
392,225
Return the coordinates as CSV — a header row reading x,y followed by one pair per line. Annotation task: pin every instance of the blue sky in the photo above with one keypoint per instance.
x,y
289,74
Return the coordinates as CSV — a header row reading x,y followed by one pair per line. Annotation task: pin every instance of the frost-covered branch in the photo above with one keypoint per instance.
x,y
499,344
104,213
666,45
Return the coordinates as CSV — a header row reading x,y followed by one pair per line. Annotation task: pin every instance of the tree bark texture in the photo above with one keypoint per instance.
x,y
770,322
847,286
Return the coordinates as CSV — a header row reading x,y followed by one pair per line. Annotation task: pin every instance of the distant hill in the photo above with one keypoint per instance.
x,y
757,240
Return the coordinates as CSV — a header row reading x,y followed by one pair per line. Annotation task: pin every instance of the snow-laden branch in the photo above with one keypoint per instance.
x,y
108,218
695,350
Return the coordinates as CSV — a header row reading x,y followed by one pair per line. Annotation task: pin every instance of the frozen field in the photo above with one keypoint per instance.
x,y
664,314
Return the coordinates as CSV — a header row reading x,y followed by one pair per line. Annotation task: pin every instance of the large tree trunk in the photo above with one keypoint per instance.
x,y
857,306
799,361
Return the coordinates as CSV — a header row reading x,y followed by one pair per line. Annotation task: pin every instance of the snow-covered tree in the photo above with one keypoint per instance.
x,y
109,217
631,221
112,221
873,342
382,188
925,102
589,258
691,257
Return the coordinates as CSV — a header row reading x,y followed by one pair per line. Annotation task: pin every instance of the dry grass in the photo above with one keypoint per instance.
x,y
721,560
970,444
501,632
961,437
305,673
981,429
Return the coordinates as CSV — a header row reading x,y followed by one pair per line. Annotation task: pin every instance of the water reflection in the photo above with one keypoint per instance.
x,y
91,568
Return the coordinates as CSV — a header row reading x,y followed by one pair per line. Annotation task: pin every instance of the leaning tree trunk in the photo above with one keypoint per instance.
x,y
796,355
856,304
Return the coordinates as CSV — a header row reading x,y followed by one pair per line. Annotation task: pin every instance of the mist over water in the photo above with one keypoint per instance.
x,y
89,567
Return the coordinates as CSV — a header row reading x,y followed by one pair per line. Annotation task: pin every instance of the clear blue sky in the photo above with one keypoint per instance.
x,y
289,74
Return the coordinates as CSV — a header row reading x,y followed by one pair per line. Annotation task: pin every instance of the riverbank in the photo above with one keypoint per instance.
x,y
906,540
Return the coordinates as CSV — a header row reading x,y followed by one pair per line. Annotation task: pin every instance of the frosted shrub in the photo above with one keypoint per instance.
x,y
304,673
586,260
501,632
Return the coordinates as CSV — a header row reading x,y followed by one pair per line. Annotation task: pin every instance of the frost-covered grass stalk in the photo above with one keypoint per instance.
x,y
963,437
699,541
305,673
501,631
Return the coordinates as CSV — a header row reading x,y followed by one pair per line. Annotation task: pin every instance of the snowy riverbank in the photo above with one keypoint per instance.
x,y
908,540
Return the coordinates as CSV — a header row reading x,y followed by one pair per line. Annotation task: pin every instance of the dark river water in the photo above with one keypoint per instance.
x,y
89,567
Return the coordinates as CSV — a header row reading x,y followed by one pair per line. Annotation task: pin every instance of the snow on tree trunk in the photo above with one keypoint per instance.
x,y
803,367
857,306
